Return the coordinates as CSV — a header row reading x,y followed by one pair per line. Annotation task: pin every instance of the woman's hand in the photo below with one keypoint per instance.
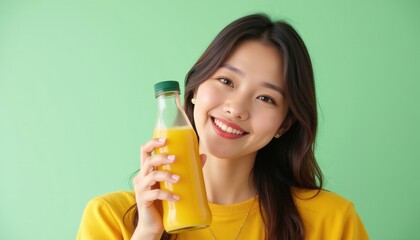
x,y
147,191
146,187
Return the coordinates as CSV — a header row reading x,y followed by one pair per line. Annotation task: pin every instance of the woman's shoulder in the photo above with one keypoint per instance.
x,y
115,199
319,204
113,204
319,198
103,217
328,215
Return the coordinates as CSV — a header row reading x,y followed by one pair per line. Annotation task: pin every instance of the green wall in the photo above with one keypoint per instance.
x,y
76,100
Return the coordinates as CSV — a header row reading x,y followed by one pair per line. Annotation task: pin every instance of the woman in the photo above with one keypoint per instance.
x,y
251,99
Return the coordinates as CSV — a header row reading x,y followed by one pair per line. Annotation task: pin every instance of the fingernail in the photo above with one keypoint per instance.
x,y
162,140
171,158
175,178
175,197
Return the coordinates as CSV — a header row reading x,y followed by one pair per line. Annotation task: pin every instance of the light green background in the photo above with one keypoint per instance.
x,y
76,100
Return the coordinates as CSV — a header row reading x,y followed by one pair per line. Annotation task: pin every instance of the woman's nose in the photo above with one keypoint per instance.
x,y
236,108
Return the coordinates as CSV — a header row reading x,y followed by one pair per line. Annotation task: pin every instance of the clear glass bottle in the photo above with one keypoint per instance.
x,y
191,211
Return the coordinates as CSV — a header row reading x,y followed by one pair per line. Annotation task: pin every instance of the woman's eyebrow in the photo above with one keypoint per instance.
x,y
274,87
233,69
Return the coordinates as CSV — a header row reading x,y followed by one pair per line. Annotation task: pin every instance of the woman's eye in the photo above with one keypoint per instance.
x,y
226,81
266,99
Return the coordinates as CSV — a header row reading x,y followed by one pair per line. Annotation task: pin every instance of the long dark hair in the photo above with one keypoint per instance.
x,y
288,161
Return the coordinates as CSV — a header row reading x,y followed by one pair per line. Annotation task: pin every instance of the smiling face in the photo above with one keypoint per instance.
x,y
241,107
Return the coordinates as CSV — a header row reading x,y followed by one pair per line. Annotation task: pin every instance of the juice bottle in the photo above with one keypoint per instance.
x,y
191,211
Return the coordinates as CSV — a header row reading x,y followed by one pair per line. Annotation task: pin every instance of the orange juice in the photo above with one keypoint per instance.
x,y
191,211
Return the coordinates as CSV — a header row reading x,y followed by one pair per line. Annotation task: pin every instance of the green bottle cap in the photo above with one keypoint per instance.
x,y
166,86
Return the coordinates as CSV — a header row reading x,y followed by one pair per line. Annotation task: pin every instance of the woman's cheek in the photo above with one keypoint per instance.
x,y
208,95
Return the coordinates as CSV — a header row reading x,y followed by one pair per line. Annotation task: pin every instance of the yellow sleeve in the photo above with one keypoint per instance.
x,y
353,228
98,222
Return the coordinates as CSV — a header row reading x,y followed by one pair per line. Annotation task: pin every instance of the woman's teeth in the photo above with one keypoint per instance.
x,y
227,129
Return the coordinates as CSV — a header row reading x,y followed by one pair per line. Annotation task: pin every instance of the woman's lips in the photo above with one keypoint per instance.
x,y
227,129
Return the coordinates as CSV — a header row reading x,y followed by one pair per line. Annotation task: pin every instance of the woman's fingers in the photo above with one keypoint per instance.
x,y
147,149
147,182
148,192
147,189
152,162
150,196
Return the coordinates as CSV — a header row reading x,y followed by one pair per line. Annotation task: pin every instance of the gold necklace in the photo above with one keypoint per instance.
x,y
242,225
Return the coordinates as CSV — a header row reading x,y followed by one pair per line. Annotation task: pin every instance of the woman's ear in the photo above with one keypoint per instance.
x,y
287,123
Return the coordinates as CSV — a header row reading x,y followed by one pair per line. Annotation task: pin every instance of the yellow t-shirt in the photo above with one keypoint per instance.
x,y
326,216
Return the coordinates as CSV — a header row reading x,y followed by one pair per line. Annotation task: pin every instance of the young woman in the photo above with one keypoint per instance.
x,y
251,99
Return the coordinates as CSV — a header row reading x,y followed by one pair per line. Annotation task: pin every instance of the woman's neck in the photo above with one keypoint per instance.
x,y
229,180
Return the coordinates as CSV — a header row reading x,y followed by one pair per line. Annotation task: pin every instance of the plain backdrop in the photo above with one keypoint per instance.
x,y
76,100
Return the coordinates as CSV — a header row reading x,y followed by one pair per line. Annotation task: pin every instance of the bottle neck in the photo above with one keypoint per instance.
x,y
170,112
167,100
